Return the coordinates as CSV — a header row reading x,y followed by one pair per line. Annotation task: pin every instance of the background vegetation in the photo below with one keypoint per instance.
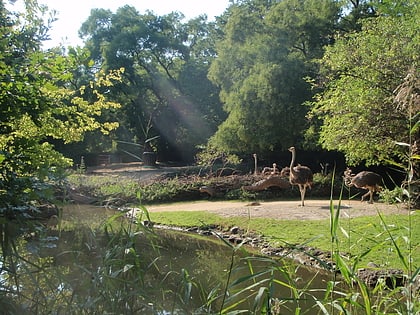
x,y
263,76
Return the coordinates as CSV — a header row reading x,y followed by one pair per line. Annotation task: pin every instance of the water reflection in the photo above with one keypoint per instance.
x,y
133,270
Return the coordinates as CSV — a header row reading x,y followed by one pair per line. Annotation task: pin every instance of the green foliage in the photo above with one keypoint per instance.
x,y
39,105
391,196
113,190
361,71
391,240
165,190
105,188
267,50
212,156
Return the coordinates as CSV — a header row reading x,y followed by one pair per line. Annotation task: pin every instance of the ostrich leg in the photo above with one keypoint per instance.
x,y
302,189
370,194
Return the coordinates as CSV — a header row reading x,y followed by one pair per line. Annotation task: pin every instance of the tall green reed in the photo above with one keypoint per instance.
x,y
359,298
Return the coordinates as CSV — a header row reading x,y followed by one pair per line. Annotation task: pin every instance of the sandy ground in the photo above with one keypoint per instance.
x,y
283,210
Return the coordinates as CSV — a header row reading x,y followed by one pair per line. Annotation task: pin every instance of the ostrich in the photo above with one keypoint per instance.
x,y
285,172
365,180
271,170
300,175
275,170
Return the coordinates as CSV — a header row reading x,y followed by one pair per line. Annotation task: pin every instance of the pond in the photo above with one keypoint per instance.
x,y
98,263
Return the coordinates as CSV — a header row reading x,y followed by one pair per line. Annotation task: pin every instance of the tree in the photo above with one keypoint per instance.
x,y
360,74
165,91
355,11
38,105
267,50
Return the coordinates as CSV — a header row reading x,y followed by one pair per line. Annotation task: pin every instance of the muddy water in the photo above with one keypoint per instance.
x,y
164,272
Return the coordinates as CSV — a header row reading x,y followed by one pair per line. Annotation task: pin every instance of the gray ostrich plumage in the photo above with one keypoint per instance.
x,y
365,180
300,176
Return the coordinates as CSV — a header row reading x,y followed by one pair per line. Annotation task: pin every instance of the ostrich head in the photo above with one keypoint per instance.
x,y
293,151
348,176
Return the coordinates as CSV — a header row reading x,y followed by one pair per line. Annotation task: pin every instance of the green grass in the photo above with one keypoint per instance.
x,y
355,236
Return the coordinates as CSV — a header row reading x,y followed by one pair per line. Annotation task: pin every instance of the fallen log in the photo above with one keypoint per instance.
x,y
271,181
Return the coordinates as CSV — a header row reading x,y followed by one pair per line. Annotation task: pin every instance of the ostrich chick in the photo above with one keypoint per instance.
x,y
271,171
365,180
300,175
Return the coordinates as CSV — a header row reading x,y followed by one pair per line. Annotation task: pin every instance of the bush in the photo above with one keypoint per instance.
x,y
395,195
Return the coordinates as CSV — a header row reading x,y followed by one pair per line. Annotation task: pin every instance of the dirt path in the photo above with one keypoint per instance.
x,y
283,210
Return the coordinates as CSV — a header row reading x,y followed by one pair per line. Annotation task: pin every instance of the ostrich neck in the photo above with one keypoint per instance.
x,y
292,162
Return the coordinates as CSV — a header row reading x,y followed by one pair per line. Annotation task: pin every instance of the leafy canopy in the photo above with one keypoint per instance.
x,y
267,50
362,71
38,101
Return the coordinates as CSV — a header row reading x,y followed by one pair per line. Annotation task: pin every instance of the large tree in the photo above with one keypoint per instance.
x,y
39,104
267,51
360,74
165,91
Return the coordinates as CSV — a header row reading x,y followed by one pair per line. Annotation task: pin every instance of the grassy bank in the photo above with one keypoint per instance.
x,y
370,239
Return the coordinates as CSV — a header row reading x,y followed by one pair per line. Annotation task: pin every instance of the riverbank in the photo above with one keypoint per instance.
x,y
304,231
283,229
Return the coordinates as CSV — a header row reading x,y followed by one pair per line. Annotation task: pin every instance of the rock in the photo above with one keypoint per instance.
x,y
148,223
234,230
205,232
80,198
208,190
253,204
393,278
235,239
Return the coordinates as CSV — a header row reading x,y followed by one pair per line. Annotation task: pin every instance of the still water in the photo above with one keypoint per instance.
x,y
92,264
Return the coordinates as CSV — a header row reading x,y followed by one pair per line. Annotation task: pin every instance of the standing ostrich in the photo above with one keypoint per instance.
x,y
365,180
300,175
